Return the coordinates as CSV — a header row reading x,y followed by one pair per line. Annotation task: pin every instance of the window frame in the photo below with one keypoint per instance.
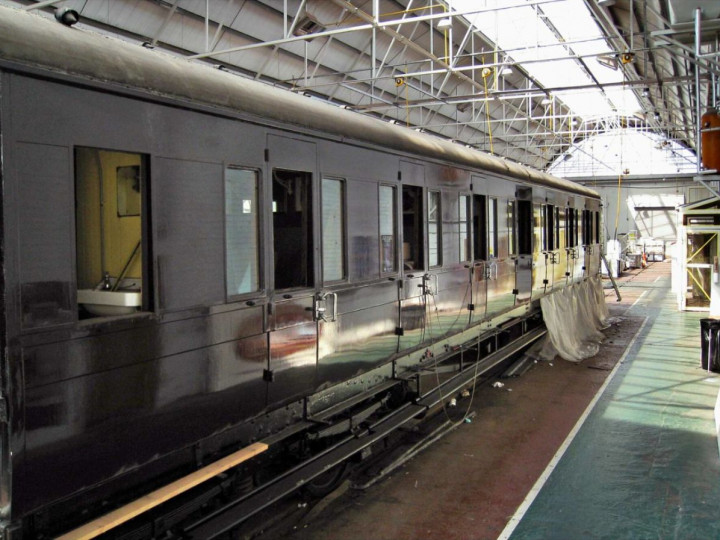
x,y
512,227
481,235
525,221
439,233
395,231
419,220
469,237
311,264
493,234
148,302
570,224
549,226
556,232
577,228
587,228
343,235
261,290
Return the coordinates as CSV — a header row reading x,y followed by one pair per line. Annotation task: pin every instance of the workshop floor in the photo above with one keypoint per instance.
x,y
643,465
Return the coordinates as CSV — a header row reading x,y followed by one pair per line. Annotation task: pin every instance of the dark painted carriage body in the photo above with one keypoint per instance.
x,y
96,405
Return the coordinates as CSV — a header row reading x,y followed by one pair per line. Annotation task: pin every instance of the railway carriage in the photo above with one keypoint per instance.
x,y
194,262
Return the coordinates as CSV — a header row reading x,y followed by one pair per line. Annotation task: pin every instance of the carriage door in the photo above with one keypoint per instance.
x,y
500,264
524,228
293,267
556,233
484,244
540,252
587,235
414,282
571,241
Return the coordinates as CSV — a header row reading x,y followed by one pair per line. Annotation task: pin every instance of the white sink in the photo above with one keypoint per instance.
x,y
106,303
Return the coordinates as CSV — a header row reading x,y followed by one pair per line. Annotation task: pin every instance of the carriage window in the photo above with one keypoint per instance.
x,y
576,230
388,228
241,231
549,226
492,229
570,227
480,227
512,242
587,228
540,231
434,232
413,233
292,229
110,189
597,227
333,229
464,212
524,227
556,228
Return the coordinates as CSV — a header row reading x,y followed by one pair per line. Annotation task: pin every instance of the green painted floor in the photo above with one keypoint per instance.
x,y
645,463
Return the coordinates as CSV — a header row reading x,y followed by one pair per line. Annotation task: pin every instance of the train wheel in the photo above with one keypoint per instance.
x,y
328,481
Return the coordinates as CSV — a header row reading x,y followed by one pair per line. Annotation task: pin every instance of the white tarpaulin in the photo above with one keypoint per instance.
x,y
574,318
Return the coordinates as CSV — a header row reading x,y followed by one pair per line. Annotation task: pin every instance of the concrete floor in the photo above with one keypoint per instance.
x,y
644,464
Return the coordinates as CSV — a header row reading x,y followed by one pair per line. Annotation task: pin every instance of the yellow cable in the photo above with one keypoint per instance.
x,y
400,81
407,106
446,42
485,75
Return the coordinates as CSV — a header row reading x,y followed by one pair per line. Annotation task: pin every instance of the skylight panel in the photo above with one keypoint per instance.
x,y
619,150
529,37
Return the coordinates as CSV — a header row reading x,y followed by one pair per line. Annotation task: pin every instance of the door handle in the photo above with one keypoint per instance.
x,y
426,288
321,307
493,271
335,306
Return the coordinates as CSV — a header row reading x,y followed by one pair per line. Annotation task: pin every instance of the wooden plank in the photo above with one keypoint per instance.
x,y
159,496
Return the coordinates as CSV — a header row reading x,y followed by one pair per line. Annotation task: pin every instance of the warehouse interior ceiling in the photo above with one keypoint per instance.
x,y
528,80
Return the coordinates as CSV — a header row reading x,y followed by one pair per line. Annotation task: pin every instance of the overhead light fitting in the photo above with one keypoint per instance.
x,y
67,16
507,70
608,60
307,25
605,3
645,92
546,100
444,24
627,57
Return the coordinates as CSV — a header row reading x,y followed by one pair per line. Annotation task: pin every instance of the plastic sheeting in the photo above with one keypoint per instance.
x,y
574,318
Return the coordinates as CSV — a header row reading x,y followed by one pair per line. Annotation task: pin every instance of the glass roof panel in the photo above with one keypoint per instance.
x,y
624,151
555,30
